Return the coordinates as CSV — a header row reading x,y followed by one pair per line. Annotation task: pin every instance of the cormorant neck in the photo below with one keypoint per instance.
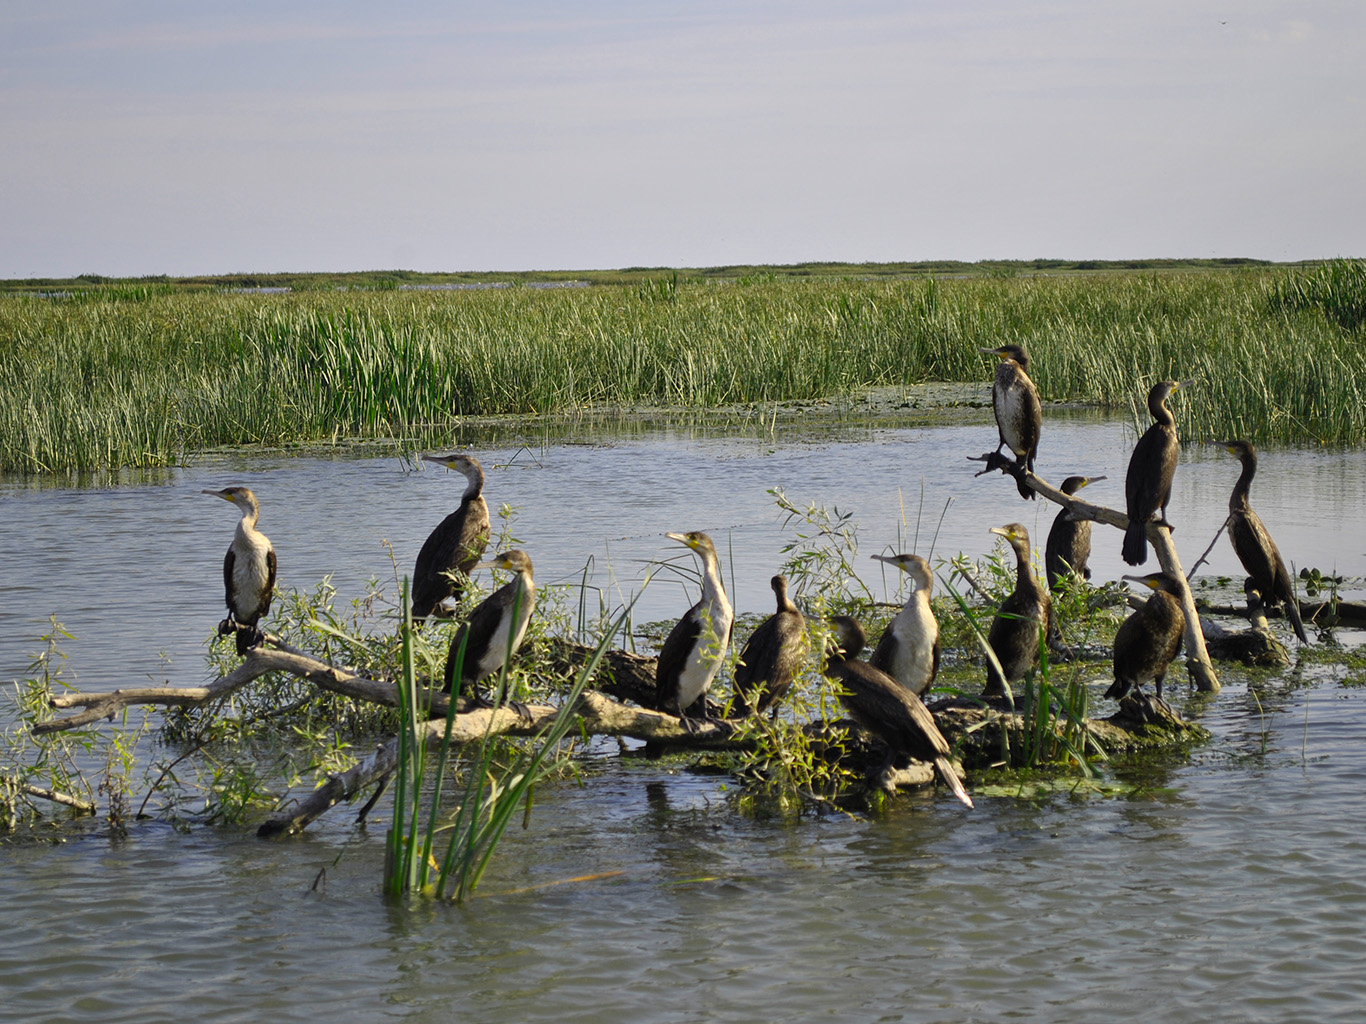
x,y
474,484
1238,499
712,590
1161,414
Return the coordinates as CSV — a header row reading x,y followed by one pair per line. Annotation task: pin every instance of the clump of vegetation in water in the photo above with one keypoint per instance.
x,y
96,381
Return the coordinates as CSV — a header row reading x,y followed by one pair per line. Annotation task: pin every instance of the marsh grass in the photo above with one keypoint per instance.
x,y
110,379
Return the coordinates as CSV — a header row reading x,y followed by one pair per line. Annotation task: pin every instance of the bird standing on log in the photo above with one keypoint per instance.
x,y
1019,415
909,649
1069,539
1149,639
885,708
695,648
248,571
1014,635
456,544
1256,550
1148,484
772,655
495,628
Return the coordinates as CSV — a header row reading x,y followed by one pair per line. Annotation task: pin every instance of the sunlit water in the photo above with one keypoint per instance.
x,y
1229,887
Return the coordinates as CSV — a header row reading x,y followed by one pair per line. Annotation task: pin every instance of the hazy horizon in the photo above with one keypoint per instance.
x,y
158,138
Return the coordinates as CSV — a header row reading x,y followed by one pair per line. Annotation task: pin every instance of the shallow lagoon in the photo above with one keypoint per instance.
x,y
1228,888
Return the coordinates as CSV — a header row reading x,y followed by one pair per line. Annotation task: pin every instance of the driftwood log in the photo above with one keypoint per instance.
x,y
1198,662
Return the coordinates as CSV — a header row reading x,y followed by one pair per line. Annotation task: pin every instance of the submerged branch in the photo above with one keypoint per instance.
x,y
52,795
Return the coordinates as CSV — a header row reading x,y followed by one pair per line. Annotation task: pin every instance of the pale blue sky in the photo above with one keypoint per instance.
x,y
181,138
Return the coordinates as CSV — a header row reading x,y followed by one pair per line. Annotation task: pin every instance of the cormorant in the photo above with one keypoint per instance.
x,y
456,544
496,627
696,646
1019,416
909,648
1148,484
771,656
885,708
248,571
1014,635
1069,540
1255,548
1149,639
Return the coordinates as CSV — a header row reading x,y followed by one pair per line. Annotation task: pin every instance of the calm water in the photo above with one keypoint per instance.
x,y
1232,888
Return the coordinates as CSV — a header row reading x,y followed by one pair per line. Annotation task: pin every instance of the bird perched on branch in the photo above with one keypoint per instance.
x,y
885,708
495,628
1256,550
695,648
1069,539
772,655
1148,483
1014,635
455,545
1019,415
1149,639
248,571
909,649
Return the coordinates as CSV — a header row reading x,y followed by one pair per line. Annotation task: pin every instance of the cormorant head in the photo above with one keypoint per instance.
x,y
1075,483
848,636
913,566
1158,581
466,465
1018,537
699,542
239,496
1163,390
1243,449
1015,352
514,561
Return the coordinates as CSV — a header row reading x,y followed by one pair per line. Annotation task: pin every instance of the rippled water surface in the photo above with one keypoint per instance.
x,y
1230,886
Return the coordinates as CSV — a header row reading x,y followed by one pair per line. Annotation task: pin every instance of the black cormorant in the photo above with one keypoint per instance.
x,y
1255,548
885,708
1149,639
1069,540
1019,416
1148,484
772,655
1014,635
456,544
695,648
496,627
909,648
248,571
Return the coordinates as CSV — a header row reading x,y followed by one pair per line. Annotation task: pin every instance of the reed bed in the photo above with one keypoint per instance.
x,y
141,377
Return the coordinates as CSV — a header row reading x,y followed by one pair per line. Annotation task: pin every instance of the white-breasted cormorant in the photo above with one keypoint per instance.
x,y
1256,550
909,649
772,655
1014,635
1149,639
456,544
1019,415
248,571
1148,483
885,708
695,648
1069,540
496,627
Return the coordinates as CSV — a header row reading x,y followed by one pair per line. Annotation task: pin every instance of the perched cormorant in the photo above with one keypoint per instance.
x,y
496,627
1014,635
456,544
909,648
885,708
248,571
1149,639
771,656
1019,416
1148,484
1069,540
696,646
1256,550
